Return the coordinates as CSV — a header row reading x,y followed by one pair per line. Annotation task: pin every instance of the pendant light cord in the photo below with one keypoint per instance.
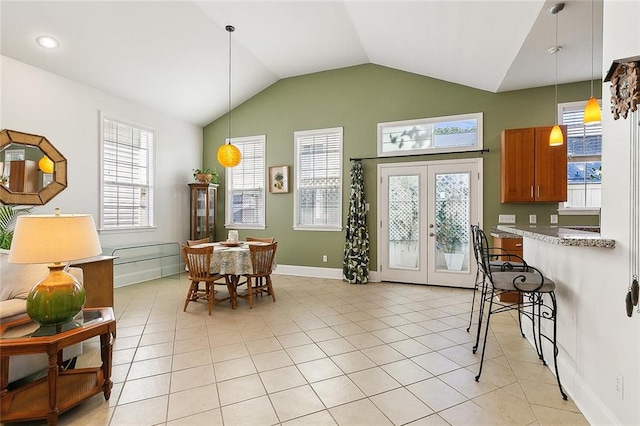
x,y
229,29
592,3
556,55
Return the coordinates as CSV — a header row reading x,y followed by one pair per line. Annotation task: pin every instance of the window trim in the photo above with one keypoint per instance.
x,y
296,197
564,210
228,211
478,116
152,176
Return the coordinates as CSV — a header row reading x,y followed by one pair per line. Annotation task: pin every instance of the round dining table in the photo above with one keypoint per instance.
x,y
233,260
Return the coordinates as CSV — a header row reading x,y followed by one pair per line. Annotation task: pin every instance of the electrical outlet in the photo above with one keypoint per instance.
x,y
506,218
324,257
533,219
620,385
554,219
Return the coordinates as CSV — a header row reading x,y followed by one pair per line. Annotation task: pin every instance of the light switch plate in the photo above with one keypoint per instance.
x,y
554,219
533,219
506,218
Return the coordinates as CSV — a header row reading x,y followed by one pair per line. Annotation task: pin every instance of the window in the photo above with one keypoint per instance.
x,y
245,185
127,175
584,161
318,183
430,135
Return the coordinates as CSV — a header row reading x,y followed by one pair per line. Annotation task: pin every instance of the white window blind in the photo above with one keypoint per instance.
x,y
318,189
584,159
127,175
245,185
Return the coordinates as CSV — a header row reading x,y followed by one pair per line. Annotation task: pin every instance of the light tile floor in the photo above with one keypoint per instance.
x,y
325,353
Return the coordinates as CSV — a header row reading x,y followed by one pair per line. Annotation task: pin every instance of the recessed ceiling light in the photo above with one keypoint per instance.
x,y
47,42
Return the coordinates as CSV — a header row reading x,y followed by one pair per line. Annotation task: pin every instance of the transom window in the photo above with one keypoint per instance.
x,y
584,160
245,185
127,175
452,133
318,182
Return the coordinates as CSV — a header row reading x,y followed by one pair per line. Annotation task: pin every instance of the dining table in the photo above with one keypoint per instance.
x,y
233,260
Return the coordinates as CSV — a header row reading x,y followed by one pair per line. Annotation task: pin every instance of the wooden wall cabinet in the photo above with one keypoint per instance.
x,y
204,201
530,169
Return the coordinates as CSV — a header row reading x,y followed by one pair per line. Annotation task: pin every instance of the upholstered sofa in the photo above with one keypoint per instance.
x,y
15,282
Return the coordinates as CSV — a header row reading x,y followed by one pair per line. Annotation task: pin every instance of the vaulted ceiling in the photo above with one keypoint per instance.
x,y
173,56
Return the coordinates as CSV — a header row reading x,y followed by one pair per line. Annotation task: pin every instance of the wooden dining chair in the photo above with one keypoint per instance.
x,y
259,281
198,262
270,240
192,243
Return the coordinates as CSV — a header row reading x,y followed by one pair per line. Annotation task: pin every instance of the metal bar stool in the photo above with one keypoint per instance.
x,y
532,285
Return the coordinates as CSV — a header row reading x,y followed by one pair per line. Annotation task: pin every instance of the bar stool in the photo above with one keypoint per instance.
x,y
532,285
500,261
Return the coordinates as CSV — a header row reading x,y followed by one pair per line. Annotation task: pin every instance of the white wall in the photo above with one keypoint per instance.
x,y
598,341
67,113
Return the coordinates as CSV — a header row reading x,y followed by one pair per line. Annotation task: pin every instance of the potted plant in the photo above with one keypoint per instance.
x,y
451,237
8,216
206,175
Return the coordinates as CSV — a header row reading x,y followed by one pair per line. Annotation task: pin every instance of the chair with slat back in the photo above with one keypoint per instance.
x,y
259,281
270,240
192,243
198,260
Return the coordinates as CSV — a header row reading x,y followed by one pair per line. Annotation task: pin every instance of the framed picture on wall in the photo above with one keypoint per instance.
x,y
279,179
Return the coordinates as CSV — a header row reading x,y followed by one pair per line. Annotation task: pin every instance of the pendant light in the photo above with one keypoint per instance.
x,y
592,114
556,138
228,154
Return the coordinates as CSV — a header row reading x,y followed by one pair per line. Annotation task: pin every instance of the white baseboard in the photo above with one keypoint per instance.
x,y
312,271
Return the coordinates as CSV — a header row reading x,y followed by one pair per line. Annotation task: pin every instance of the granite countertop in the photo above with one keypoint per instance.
x,y
569,236
498,233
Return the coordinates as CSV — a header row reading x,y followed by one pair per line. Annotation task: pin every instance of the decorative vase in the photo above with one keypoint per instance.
x,y
56,299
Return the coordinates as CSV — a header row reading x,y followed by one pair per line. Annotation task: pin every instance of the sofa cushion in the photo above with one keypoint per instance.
x,y
16,280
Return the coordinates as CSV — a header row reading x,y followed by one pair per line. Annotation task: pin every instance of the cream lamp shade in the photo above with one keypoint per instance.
x,y
54,239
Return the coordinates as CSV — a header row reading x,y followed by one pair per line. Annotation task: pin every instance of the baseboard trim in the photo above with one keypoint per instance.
x,y
312,271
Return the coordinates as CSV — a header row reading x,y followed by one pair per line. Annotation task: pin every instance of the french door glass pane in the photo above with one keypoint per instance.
x,y
404,232
452,210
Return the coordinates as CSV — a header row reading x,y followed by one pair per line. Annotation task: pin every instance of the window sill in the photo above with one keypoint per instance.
x,y
311,228
245,226
579,211
126,230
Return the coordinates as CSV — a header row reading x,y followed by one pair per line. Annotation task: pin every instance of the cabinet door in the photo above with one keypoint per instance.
x,y
550,167
517,165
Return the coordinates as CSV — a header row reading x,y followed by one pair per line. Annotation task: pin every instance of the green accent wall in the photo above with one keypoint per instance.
x,y
357,98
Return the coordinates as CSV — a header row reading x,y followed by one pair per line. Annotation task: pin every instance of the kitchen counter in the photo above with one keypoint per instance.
x,y
498,233
569,236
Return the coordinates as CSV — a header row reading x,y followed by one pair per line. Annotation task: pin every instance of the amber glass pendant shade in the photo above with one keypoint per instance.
x,y
229,155
45,165
56,299
556,138
592,114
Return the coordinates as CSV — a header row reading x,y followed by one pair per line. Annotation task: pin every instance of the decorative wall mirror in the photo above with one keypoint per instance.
x,y
32,170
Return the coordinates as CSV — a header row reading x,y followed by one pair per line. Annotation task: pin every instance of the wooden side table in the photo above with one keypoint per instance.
x,y
46,398
98,280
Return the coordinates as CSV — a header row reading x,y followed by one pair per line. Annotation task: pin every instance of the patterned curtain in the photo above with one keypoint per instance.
x,y
355,261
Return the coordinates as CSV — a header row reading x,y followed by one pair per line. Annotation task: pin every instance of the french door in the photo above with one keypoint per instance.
x,y
425,212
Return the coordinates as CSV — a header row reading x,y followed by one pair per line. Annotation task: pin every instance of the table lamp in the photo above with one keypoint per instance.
x,y
54,239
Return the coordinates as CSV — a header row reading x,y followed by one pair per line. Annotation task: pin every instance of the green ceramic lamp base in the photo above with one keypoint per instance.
x,y
56,299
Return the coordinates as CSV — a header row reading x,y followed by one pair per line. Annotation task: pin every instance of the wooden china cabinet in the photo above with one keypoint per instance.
x,y
204,200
